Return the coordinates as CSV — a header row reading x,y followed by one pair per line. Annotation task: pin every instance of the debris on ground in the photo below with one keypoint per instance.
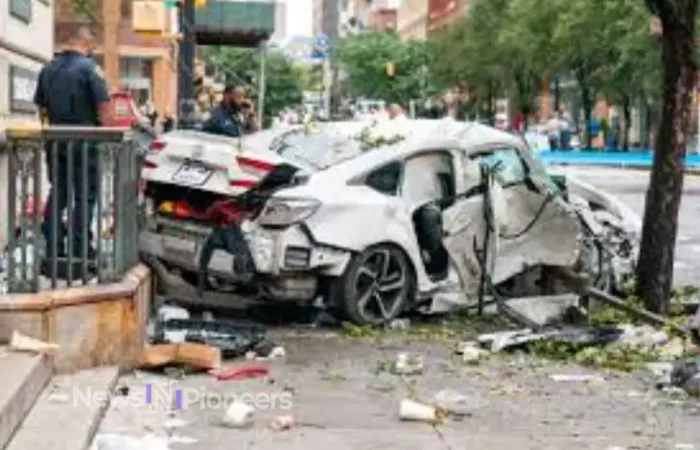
x,y
282,423
198,356
171,312
400,324
121,442
686,375
408,364
411,410
471,352
457,404
576,378
233,338
238,415
539,311
22,343
266,350
241,372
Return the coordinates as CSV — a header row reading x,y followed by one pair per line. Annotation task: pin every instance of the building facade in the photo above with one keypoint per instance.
x,y
25,46
441,13
412,19
147,64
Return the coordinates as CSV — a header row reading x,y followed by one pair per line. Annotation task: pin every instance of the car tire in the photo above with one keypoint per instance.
x,y
378,285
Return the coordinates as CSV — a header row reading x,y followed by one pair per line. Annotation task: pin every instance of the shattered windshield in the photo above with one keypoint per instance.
x,y
317,151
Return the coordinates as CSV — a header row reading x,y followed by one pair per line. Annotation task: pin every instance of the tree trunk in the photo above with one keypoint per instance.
x,y
557,94
627,117
655,265
586,105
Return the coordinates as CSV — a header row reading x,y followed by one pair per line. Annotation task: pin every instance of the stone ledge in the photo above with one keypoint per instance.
x,y
94,326
22,377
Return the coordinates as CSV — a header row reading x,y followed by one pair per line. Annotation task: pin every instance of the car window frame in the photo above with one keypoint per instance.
x,y
491,149
363,180
428,151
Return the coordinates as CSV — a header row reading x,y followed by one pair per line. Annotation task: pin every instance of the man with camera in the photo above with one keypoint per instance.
x,y
235,116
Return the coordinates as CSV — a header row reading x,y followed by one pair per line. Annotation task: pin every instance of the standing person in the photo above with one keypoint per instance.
x,y
234,116
71,90
168,122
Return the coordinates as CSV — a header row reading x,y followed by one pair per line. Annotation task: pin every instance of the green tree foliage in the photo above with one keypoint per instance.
x,y
283,82
510,47
364,58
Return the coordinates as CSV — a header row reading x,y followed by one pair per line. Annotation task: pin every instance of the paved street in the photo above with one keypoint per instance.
x,y
345,400
630,186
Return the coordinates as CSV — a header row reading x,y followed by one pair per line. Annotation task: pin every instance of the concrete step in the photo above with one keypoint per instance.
x,y
68,412
22,377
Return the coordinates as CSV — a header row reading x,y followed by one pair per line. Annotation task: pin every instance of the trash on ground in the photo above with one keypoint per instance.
x,y
238,415
415,411
400,324
458,404
507,340
470,351
171,312
661,371
242,372
174,423
22,343
408,364
233,338
199,356
182,440
121,442
283,423
576,378
686,375
266,350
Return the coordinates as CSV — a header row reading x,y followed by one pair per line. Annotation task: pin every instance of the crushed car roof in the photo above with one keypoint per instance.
x,y
339,145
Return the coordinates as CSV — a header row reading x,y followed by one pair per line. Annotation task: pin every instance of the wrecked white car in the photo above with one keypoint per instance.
x,y
378,219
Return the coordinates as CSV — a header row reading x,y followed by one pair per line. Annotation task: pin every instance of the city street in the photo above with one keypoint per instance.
x,y
343,397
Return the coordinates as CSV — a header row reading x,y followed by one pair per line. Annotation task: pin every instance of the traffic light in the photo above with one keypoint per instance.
x,y
390,69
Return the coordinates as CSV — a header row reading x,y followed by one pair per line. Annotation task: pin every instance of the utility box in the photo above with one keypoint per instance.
x,y
150,17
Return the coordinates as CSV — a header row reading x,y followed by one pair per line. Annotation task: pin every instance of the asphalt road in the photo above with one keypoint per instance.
x,y
630,186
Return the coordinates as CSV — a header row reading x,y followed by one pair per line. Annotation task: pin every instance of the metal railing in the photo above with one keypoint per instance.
x,y
72,206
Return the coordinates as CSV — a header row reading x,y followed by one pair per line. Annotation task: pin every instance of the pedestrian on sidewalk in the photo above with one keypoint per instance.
x,y
71,90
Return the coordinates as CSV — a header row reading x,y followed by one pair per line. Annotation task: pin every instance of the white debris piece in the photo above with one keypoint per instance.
x,y
400,324
576,378
239,415
121,442
407,364
170,312
412,410
471,352
277,353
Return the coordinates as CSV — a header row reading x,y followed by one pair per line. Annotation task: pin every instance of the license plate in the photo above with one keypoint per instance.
x,y
192,174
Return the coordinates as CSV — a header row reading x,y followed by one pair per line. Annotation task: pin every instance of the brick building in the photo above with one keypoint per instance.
x,y
147,64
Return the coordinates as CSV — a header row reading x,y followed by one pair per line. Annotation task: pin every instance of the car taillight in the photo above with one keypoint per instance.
x,y
243,183
156,146
255,166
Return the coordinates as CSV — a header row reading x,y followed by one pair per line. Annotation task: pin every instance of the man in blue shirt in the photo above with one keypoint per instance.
x,y
71,91
235,115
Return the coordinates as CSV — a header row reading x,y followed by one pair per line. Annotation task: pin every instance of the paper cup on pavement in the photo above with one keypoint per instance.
x,y
238,415
410,410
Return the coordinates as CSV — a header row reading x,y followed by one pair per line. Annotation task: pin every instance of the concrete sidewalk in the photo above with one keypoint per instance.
x,y
346,400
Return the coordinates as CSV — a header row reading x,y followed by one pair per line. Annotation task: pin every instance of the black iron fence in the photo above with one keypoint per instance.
x,y
72,206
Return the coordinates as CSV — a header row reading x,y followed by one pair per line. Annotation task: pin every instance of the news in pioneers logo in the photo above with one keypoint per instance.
x,y
169,396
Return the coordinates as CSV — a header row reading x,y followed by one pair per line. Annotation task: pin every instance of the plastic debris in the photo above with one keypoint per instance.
x,y
22,343
576,378
238,415
407,364
233,338
283,423
400,324
242,372
170,312
415,411
121,442
470,351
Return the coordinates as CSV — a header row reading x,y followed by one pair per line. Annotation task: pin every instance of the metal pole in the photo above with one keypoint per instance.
x,y
262,83
331,9
188,44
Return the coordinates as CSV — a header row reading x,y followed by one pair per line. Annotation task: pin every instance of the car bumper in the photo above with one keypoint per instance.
x,y
275,253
